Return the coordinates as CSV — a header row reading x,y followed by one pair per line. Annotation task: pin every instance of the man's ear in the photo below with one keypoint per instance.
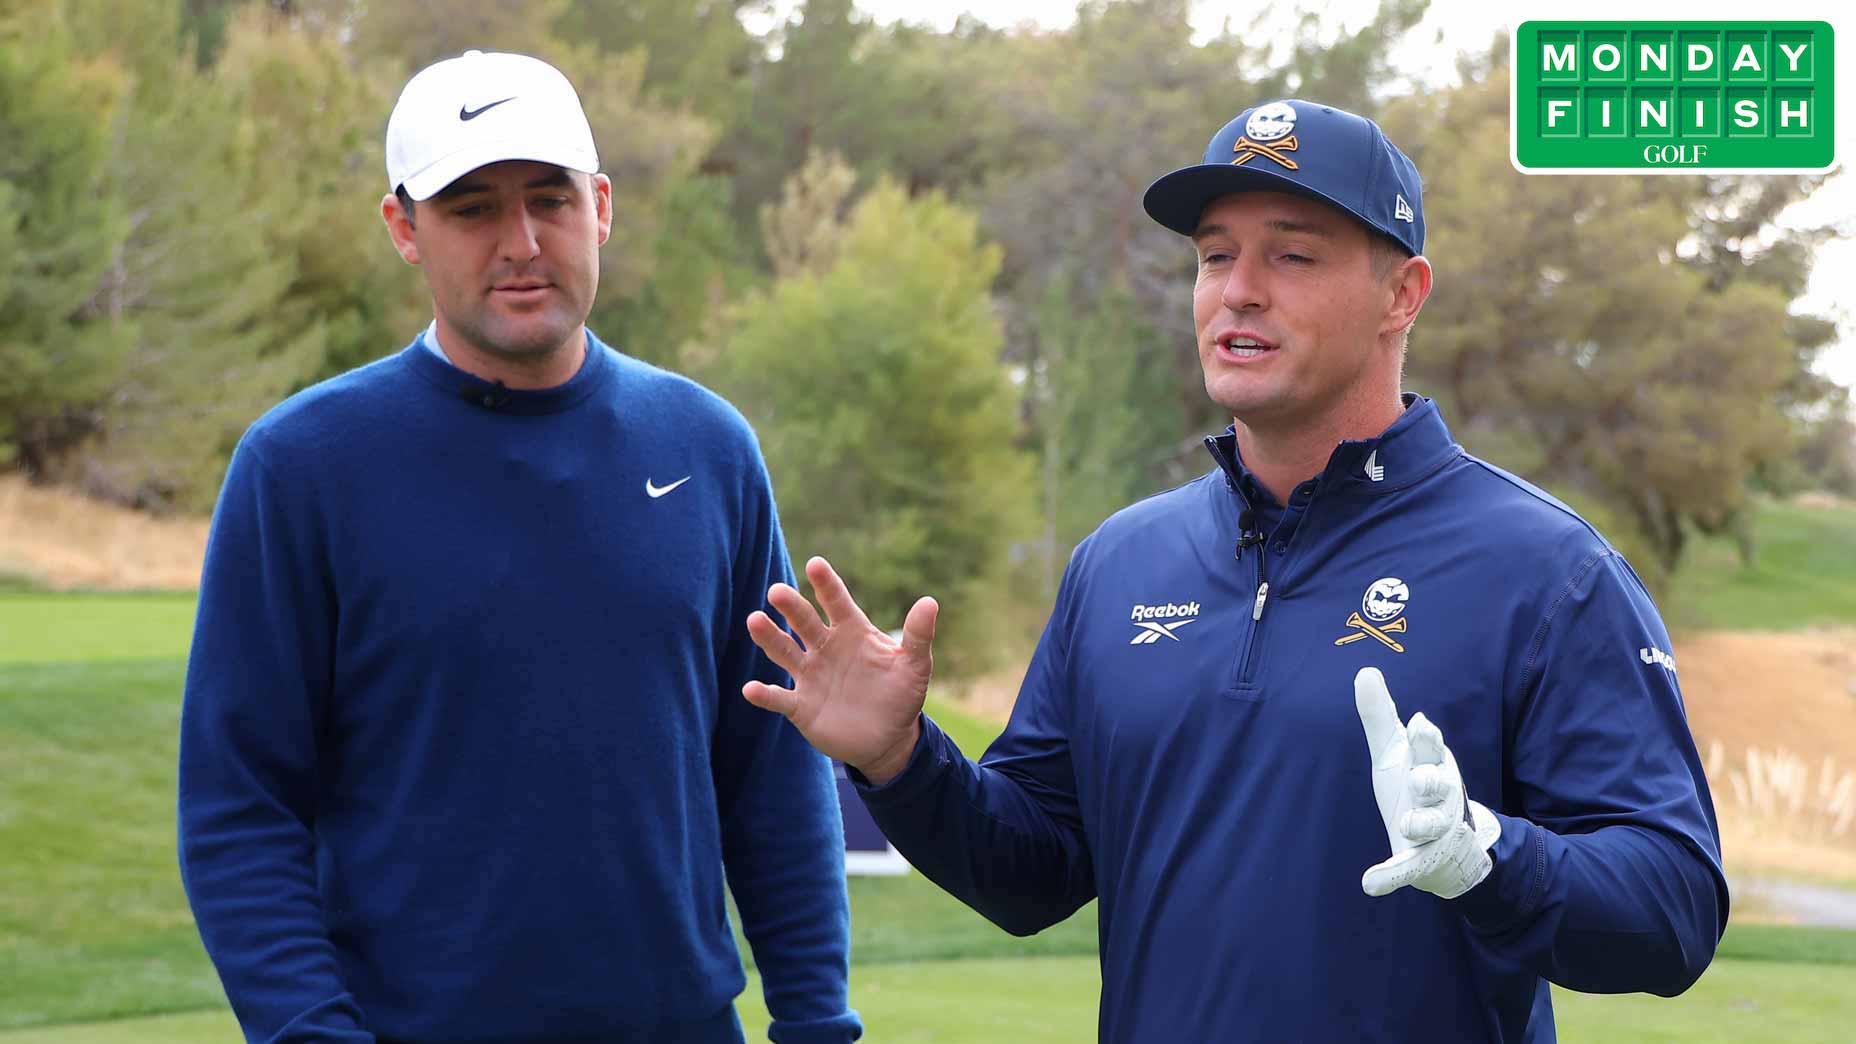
x,y
602,197
399,228
1410,284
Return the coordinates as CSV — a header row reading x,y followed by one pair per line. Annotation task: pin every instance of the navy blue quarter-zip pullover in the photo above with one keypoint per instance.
x,y
1186,749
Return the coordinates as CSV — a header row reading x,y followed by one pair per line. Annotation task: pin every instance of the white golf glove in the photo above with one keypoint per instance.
x,y
1435,846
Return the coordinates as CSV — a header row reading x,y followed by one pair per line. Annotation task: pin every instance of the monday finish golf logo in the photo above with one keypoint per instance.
x,y
1672,97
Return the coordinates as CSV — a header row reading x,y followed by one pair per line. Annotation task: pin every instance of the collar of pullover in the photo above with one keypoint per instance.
x,y
1416,444
498,398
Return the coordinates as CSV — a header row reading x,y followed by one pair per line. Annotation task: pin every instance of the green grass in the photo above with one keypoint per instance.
x,y
909,918
69,628
1788,943
1769,1002
970,734
93,922
1052,1000
1033,1000
1804,574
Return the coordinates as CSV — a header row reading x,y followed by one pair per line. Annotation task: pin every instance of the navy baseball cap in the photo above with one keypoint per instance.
x,y
1305,148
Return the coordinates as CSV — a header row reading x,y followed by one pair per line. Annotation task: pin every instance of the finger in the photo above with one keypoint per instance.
x,y
918,629
1378,714
833,596
1428,785
1426,824
783,702
777,644
800,616
1427,741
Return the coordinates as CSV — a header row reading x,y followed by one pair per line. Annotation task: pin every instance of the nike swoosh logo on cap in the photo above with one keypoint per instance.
x,y
465,112
654,491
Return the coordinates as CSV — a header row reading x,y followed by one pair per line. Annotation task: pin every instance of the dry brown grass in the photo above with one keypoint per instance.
x,y
62,540
1781,814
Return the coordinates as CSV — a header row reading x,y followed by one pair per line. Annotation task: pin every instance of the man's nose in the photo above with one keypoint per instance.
x,y
1244,285
516,241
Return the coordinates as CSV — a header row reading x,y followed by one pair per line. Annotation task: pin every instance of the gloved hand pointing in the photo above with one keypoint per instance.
x,y
1440,839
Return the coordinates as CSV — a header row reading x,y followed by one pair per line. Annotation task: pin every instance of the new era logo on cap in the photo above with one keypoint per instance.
x,y
1301,147
480,108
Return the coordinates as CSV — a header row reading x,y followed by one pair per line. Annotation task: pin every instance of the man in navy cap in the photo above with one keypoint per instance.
x,y
1206,740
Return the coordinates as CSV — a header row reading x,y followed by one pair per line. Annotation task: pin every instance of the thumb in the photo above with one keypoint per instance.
x,y
1393,874
918,630
783,702
1378,714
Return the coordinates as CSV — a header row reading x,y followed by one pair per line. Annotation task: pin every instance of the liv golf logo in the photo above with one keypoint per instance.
x,y
1672,97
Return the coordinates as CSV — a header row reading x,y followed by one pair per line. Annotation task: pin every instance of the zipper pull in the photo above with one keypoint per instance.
x,y
1263,592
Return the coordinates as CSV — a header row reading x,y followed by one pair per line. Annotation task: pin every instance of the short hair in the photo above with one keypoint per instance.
x,y
1384,254
405,199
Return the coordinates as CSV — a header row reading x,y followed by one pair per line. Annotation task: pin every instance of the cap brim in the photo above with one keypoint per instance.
x,y
433,179
1178,199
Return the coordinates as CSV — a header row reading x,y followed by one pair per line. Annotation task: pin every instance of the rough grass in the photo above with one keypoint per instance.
x,y
1803,574
56,538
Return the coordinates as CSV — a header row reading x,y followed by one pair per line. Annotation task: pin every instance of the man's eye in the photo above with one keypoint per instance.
x,y
1297,259
1214,259
551,202
472,210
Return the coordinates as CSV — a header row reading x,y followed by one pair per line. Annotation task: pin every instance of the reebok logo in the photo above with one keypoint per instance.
x,y
1142,616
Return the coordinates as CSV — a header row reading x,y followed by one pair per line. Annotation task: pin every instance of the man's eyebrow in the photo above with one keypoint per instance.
x,y
1303,227
558,176
1277,225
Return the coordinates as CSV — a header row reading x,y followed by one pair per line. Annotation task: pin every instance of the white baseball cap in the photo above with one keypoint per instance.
x,y
462,113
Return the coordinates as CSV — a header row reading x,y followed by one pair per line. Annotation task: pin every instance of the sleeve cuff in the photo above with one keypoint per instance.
x,y
927,763
838,1029
1512,891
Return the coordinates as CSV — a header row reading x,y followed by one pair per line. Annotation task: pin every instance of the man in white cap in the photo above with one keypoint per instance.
x,y
461,758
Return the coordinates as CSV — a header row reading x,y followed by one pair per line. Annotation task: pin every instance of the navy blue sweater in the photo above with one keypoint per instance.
x,y
463,751
1186,748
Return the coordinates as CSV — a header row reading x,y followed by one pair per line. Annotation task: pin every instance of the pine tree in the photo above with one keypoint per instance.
x,y
61,229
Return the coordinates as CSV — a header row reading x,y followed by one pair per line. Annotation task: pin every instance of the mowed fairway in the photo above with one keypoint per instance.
x,y
95,936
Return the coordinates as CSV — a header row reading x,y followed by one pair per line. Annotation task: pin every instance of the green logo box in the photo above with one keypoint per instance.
x,y
1672,97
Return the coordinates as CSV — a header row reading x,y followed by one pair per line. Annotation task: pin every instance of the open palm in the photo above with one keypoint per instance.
x,y
857,693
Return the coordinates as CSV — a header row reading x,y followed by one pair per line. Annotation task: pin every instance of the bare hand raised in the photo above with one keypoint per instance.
x,y
857,693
